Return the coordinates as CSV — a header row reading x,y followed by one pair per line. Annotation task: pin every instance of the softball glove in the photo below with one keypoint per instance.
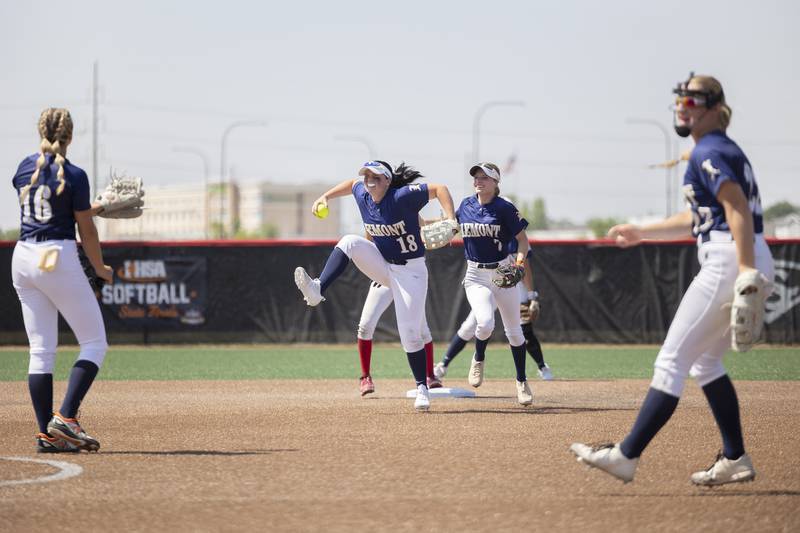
x,y
507,276
751,290
438,234
529,311
122,198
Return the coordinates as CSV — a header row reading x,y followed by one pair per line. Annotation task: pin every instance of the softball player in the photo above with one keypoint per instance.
x,y
488,223
725,216
466,331
47,275
389,204
379,298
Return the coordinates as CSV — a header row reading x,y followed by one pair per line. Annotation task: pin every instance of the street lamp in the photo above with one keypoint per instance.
x,y
202,156
222,164
476,124
667,155
357,138
476,128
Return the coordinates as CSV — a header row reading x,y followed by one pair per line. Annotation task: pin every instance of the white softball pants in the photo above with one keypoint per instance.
x,y
484,297
43,295
408,284
700,334
467,329
379,298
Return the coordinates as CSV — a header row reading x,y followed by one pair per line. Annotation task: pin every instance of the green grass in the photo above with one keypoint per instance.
x,y
388,361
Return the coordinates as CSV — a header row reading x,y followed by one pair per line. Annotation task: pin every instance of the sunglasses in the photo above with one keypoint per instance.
x,y
690,101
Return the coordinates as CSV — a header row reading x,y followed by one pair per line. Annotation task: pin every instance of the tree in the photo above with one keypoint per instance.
x,y
538,214
9,234
600,226
780,210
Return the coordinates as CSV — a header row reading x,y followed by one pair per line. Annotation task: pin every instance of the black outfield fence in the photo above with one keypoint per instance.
x,y
188,292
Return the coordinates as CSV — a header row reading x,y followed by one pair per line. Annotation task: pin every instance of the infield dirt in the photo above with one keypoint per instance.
x,y
312,455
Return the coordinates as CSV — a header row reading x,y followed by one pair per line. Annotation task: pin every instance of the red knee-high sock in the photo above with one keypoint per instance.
x,y
365,354
429,359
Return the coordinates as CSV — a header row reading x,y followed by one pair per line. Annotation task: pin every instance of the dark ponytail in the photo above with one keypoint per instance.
x,y
403,175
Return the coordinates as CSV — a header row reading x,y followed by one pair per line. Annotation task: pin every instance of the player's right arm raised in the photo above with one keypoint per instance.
x,y
344,188
442,194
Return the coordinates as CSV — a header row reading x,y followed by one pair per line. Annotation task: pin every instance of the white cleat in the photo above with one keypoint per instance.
x,y
309,287
545,374
475,377
440,371
423,401
524,394
608,458
725,470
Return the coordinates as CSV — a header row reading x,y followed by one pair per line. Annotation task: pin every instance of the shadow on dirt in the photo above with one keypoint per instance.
x,y
533,410
200,452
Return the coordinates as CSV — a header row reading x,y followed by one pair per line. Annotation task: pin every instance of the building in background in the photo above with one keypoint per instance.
x,y
250,210
786,227
284,212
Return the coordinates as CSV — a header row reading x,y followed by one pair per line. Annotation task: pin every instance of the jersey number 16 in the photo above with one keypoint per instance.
x,y
42,211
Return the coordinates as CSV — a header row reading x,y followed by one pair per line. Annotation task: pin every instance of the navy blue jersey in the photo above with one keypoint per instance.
x,y
715,160
43,213
393,223
487,229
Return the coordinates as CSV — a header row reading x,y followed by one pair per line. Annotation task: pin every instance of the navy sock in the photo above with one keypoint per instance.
x,y
655,412
724,404
519,361
334,267
416,360
80,379
456,345
480,349
41,389
532,345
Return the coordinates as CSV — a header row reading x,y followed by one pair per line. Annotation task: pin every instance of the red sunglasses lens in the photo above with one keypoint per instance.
x,y
688,101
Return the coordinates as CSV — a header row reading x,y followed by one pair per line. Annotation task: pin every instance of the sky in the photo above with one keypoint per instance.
x,y
561,85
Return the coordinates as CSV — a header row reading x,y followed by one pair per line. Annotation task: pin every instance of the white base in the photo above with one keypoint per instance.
x,y
444,392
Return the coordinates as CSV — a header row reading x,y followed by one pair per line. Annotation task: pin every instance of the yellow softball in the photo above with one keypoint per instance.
x,y
322,211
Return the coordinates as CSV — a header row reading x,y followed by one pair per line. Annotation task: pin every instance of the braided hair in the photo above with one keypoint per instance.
x,y
55,130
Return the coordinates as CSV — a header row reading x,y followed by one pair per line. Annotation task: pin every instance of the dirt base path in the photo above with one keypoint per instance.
x,y
313,455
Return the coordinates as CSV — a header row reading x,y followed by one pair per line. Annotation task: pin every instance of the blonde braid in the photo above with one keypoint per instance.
x,y
55,130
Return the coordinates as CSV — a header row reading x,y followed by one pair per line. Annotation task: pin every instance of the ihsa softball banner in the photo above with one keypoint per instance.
x,y
156,290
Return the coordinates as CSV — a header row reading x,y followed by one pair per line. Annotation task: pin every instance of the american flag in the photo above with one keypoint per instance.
x,y
512,160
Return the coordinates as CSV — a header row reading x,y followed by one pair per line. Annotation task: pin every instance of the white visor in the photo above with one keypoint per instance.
x,y
489,171
375,167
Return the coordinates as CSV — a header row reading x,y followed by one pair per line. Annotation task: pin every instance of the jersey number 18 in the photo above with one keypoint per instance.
x,y
407,244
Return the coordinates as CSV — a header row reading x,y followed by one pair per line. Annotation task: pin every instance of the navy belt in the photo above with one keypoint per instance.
x,y
487,265
397,261
42,237
722,236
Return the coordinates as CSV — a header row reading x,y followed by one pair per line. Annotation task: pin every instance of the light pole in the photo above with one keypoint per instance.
x,y
222,164
667,156
363,140
202,156
476,124
476,128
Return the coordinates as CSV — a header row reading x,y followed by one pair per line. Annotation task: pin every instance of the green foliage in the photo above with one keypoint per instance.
x,y
600,226
535,213
215,230
9,234
780,210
